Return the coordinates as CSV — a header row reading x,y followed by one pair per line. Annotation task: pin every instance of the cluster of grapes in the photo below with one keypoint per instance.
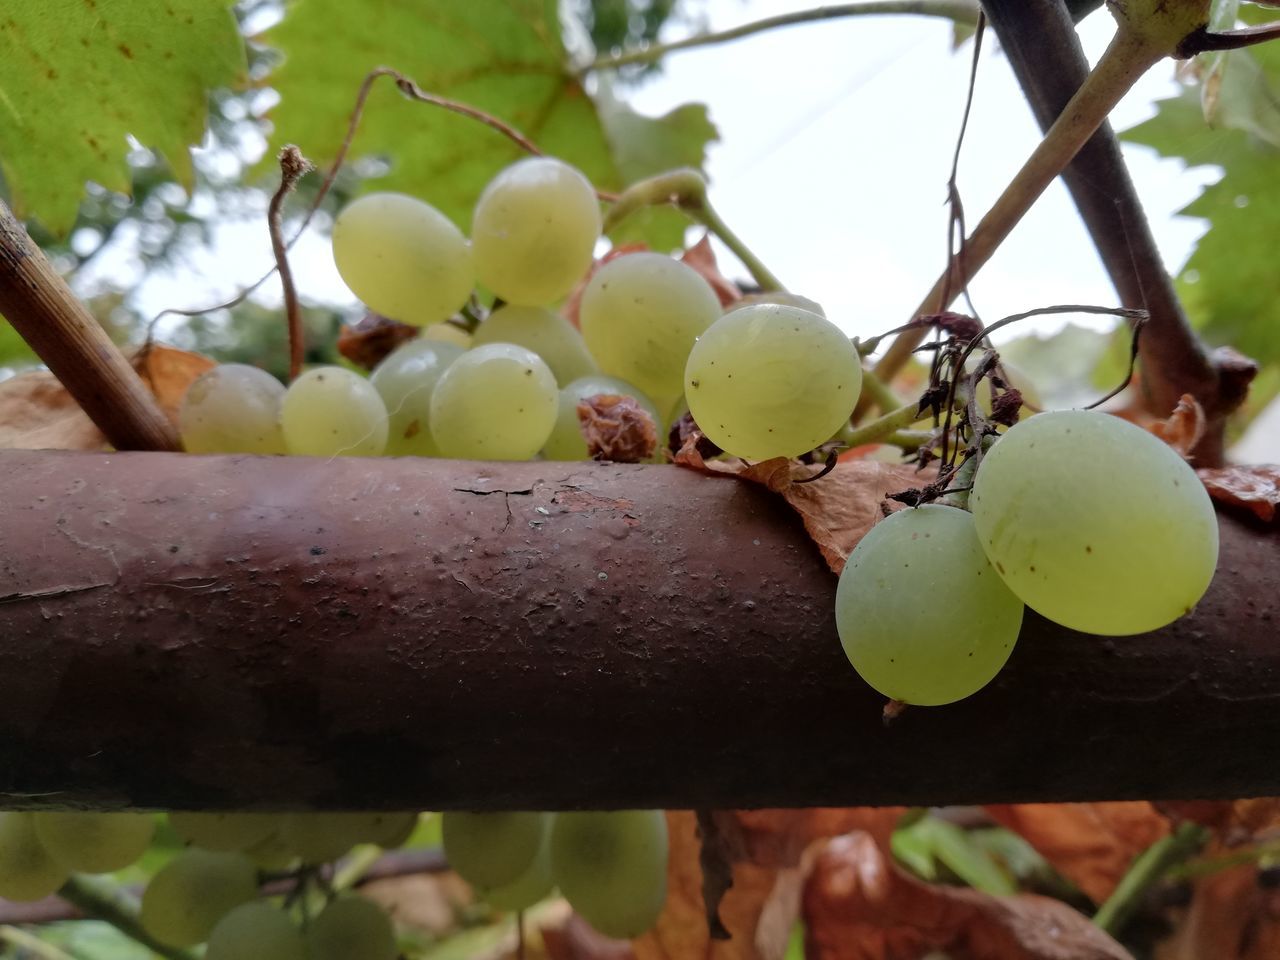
x,y
1092,522
611,866
209,892
763,380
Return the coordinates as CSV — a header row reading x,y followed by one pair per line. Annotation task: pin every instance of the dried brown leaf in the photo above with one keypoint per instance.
x,y
1230,917
617,428
837,510
1183,428
1253,488
1091,844
1234,822
367,342
703,259
574,939
859,906
37,413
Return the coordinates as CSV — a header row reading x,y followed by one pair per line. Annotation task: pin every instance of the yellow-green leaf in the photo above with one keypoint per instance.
x,y
77,77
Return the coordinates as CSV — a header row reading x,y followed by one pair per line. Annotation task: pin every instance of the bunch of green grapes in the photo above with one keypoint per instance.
x,y
39,851
610,866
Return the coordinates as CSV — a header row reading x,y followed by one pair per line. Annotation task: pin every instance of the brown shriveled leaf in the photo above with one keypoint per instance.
x,y
837,510
1253,488
1183,428
37,413
1091,844
703,259
859,906
1234,822
617,428
367,342
572,938
1230,917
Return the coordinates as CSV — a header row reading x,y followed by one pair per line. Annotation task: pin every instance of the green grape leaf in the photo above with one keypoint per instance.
x,y
505,57
78,77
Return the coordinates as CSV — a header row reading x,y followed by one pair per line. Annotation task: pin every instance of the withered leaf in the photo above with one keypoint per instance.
x,y
859,906
1252,488
37,412
617,428
367,342
1091,844
703,259
1234,822
1230,917
1183,428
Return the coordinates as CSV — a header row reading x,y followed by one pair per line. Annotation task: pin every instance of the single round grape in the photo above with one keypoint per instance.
x,y
447,333
543,331
272,853
772,381
330,412
192,892
388,829
27,871
224,831
351,928
405,380
921,615
532,886
534,231
232,408
490,850
1095,523
95,842
495,402
612,867
321,837
566,441
256,931
403,258
640,315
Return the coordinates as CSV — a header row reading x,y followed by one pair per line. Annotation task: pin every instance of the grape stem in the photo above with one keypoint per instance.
x,y
30,945
879,393
293,167
100,898
686,189
1150,866
1137,46
963,12
878,430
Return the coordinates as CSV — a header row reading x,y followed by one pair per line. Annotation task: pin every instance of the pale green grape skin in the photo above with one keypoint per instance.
x,y
490,850
232,408
256,931
321,837
532,886
405,380
612,867
272,853
566,441
1095,523
351,928
331,412
534,231
447,333
640,315
27,870
921,615
543,331
403,258
495,402
224,832
389,829
95,842
772,381
192,892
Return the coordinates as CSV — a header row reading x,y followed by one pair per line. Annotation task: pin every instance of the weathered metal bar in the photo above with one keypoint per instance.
x,y
237,632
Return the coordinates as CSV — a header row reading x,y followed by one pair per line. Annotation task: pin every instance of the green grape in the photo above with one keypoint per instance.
x,y
95,842
351,928
447,333
921,614
403,257
566,441
534,231
495,402
640,316
543,331
232,408
612,868
256,931
224,831
321,837
1095,523
532,886
772,381
405,380
388,829
330,412
192,892
27,871
272,853
490,850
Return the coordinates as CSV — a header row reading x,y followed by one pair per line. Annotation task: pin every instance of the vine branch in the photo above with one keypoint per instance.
x,y
1152,864
961,11
105,901
293,166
